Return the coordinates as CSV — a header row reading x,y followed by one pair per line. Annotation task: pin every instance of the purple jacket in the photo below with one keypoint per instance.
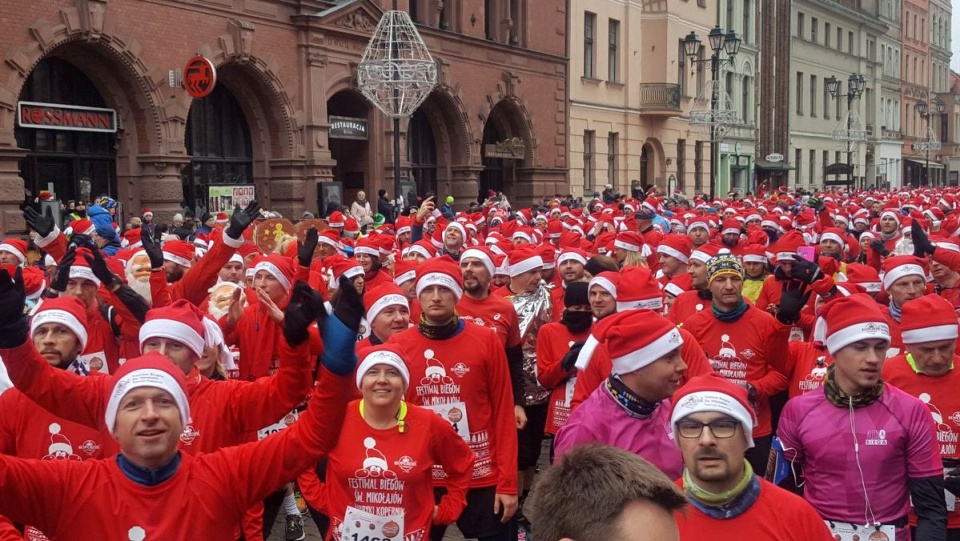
x,y
601,419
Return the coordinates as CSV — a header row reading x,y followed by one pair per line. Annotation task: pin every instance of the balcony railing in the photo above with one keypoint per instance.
x,y
660,98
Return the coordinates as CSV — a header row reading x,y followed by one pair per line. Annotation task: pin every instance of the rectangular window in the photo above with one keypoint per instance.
x,y
850,44
745,100
613,58
813,167
840,39
826,158
800,25
681,165
589,137
827,29
589,27
746,30
613,145
700,72
813,96
729,14
826,101
698,166
798,163
682,70
836,157
814,26
798,94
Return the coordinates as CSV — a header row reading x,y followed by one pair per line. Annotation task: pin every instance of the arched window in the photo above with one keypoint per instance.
x,y
422,153
218,142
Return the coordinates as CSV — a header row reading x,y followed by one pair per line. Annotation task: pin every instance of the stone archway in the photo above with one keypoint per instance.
x,y
507,152
450,125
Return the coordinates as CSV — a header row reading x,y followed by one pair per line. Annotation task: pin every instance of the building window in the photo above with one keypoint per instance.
x,y
613,58
589,137
682,70
814,26
698,166
813,96
745,100
700,72
730,15
798,163
682,165
827,28
813,167
850,48
589,28
613,145
745,31
840,39
826,158
422,152
836,157
728,85
798,95
800,25
826,101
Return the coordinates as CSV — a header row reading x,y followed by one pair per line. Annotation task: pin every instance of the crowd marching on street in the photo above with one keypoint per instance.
x,y
769,366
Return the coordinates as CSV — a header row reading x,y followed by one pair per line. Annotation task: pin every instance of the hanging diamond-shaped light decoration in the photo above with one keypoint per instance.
x,y
713,113
396,72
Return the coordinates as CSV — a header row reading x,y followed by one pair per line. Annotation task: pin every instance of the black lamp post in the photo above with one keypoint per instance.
x,y
856,84
925,111
720,42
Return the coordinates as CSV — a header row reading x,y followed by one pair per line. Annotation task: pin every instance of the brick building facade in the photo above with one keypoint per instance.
x,y
284,68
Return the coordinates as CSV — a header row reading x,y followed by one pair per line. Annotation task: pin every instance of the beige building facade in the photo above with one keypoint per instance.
x,y
630,93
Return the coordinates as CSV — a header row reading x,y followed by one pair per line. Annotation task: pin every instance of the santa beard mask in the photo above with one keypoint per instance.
x,y
141,286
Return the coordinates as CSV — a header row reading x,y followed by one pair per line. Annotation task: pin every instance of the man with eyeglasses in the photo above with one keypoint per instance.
x,y
713,425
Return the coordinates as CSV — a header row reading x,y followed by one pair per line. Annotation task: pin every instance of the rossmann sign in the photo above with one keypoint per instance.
x,y
53,116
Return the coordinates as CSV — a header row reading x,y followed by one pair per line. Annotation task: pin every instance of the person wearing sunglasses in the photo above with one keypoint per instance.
x,y
713,425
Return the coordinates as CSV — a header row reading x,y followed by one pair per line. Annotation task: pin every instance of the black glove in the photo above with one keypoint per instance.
x,y
43,224
306,248
806,271
792,300
779,275
952,482
570,359
816,204
242,219
13,322
63,269
303,309
880,247
922,246
99,267
152,247
82,241
348,306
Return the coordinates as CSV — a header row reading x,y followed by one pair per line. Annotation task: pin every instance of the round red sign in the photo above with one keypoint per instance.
x,y
199,76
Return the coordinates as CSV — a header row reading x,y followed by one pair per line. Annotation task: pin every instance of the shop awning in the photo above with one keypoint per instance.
x,y
772,166
923,163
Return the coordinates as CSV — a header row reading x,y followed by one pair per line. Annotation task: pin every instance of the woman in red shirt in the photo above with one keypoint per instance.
x,y
379,478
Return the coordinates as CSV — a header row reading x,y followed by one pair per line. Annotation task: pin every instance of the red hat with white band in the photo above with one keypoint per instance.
x,y
634,339
897,267
638,290
16,247
279,267
440,271
180,252
572,254
369,246
524,259
835,235
180,321
676,246
344,266
404,270
149,370
706,252
629,241
80,268
608,280
755,253
382,296
928,319
864,276
731,226
851,319
67,311
483,255
715,394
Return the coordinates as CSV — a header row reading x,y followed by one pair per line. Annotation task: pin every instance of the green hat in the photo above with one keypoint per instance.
x,y
721,265
450,199
378,220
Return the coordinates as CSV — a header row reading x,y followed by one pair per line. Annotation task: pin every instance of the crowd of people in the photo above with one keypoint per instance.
x,y
777,366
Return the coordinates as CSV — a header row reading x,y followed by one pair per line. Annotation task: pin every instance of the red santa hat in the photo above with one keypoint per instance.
x,y
34,282
180,321
679,284
676,246
422,247
248,248
706,252
928,319
899,266
851,319
482,254
80,268
731,226
132,238
785,249
351,226
834,234
403,225
405,270
330,237
369,246
524,259
279,267
58,442
548,254
83,226
147,213
17,247
634,339
755,253
384,295
222,218
572,254
180,252
149,370
335,219
864,276
388,354
715,394
440,271
67,311
890,212
638,290
629,241
608,280
459,227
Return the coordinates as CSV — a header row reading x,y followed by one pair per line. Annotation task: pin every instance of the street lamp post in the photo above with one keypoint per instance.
x,y
925,111
856,84
720,42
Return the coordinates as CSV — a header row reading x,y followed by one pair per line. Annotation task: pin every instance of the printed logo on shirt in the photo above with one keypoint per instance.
x,y
728,363
945,434
60,447
375,464
955,417
435,374
460,369
406,463
876,437
90,447
814,380
189,434
748,353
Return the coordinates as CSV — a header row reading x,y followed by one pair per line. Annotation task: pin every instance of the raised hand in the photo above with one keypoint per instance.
x,y
99,267
806,271
152,247
242,219
348,305
13,321
303,309
63,269
922,246
43,224
880,247
306,248
792,300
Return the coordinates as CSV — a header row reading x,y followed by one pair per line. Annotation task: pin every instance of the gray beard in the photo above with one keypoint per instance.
x,y
141,287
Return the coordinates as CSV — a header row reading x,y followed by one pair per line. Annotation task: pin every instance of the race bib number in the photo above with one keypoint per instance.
x,y
362,526
282,424
568,391
454,413
796,334
948,496
845,531
95,362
